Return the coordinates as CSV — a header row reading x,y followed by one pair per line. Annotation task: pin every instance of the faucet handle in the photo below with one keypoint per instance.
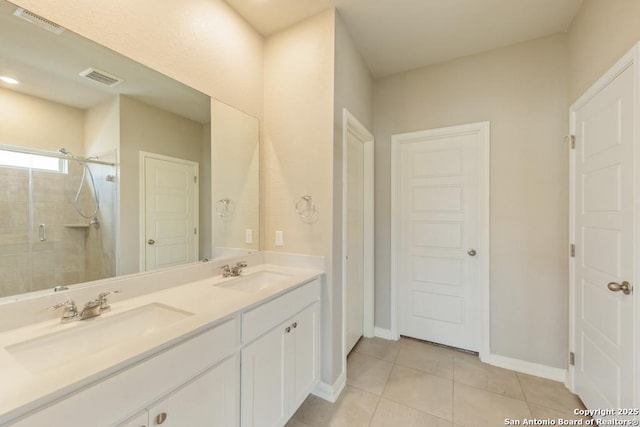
x,y
68,303
102,299
226,270
241,264
70,310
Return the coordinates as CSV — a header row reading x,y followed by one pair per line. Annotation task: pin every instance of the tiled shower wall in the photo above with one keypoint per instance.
x,y
71,252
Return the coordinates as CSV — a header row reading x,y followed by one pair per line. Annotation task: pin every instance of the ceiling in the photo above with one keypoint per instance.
x,y
399,35
47,66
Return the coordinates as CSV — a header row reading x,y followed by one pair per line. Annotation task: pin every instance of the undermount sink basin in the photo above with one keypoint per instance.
x,y
90,336
256,281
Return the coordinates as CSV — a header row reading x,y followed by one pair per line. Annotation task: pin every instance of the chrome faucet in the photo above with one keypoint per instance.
x,y
91,309
234,271
226,271
237,270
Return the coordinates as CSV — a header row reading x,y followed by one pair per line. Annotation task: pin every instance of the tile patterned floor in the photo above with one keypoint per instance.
x,y
409,383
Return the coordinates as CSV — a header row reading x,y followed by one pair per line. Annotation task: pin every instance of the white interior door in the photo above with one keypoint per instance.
x,y
355,241
603,228
170,212
438,235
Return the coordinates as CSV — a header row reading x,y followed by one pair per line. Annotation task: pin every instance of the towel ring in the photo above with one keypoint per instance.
x,y
224,208
305,207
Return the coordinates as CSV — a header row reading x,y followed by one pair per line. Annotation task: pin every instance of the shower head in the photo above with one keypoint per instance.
x,y
64,151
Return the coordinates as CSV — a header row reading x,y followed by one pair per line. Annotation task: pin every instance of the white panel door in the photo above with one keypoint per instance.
x,y
437,264
171,206
604,194
355,241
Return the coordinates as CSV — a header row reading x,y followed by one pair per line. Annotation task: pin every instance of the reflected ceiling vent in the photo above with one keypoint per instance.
x,y
101,77
38,20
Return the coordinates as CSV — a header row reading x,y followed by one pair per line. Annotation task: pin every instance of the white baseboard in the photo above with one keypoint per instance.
x,y
384,333
531,368
518,365
331,392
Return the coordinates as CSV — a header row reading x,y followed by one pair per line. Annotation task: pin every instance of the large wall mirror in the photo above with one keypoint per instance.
x,y
108,167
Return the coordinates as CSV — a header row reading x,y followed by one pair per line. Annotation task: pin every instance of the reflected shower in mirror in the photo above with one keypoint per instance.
x,y
73,183
59,218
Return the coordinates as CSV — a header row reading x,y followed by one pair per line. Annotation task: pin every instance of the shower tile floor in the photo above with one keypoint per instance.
x,y
413,383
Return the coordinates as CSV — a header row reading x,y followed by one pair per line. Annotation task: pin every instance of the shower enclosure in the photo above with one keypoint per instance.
x,y
57,219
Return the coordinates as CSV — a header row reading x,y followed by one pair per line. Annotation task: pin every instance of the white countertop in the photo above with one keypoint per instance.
x,y
22,391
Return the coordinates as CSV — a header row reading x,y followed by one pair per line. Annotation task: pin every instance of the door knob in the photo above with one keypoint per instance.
x,y
625,287
151,241
472,252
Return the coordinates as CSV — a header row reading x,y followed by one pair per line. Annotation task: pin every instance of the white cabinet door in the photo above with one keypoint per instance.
x,y
263,380
305,360
209,400
140,420
280,369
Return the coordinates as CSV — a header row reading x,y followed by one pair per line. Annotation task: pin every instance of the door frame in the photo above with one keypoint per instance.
x,y
351,125
630,59
142,199
483,245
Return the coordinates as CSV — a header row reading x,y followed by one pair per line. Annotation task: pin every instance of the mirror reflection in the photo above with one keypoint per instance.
x,y
110,168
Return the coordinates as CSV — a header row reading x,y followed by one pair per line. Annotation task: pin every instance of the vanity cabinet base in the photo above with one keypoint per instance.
x,y
280,368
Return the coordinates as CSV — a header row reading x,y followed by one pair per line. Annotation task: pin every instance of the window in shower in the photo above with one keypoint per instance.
x,y
32,161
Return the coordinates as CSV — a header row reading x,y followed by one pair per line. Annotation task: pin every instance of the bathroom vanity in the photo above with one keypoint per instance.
x,y
213,351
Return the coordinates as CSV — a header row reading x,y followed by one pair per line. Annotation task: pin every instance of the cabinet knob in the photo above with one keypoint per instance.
x,y
295,325
287,329
161,418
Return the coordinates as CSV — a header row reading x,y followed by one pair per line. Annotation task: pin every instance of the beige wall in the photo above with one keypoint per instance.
x,y
353,81
522,91
102,128
147,128
602,32
58,125
202,43
298,149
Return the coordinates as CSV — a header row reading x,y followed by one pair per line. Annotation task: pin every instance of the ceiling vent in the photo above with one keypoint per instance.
x,y
38,20
101,77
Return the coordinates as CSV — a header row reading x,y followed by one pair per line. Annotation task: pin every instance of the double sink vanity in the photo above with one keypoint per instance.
x,y
203,350
141,334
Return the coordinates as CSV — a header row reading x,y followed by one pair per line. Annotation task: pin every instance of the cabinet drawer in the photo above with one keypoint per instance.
x,y
117,397
259,320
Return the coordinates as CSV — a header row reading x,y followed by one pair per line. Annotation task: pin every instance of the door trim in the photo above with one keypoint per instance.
x,y
351,125
142,197
484,150
630,59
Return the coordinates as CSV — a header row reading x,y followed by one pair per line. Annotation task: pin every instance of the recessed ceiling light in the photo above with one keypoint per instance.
x,y
9,80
